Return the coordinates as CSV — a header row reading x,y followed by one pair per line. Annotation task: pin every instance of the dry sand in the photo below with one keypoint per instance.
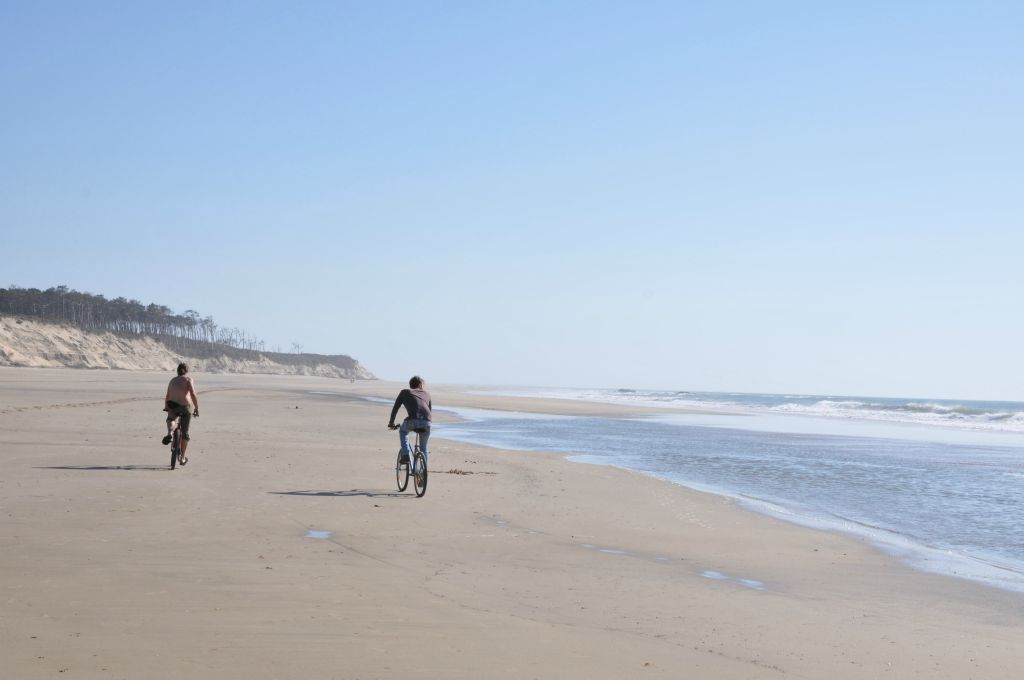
x,y
112,566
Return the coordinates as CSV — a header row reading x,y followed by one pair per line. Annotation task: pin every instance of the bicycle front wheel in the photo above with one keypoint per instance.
x,y
419,477
401,473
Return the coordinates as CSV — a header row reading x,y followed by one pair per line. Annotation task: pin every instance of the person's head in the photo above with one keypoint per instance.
x,y
182,369
415,382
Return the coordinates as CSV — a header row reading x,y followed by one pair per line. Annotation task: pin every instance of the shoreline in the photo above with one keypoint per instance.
x,y
989,570
528,565
919,557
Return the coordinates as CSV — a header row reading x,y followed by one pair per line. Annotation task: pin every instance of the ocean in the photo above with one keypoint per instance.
x,y
937,483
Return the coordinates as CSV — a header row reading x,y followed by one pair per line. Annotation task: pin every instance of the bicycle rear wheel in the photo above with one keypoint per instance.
x,y
401,472
419,476
175,448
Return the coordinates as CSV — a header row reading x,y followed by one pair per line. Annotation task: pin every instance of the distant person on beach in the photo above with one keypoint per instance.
x,y
416,401
179,391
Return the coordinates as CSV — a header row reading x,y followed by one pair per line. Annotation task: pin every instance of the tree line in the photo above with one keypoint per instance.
x,y
124,317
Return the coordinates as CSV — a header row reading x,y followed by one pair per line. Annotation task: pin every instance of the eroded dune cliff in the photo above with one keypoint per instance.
x,y
25,342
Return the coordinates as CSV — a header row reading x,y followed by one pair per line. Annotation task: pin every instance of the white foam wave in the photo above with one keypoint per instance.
x,y
946,415
914,413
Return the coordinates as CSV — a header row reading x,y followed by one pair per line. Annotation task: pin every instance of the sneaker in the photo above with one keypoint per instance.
x,y
166,440
403,458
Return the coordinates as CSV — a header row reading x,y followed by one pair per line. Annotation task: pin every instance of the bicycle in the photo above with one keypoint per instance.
x,y
176,455
419,467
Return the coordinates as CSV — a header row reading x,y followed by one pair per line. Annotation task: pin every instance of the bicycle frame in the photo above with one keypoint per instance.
x,y
416,466
175,442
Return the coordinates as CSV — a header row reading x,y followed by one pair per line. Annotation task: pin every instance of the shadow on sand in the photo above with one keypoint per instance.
x,y
134,468
369,493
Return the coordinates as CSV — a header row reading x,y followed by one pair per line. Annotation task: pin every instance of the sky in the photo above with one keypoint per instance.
x,y
810,197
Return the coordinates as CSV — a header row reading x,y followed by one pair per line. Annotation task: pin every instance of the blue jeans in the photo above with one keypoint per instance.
x,y
408,425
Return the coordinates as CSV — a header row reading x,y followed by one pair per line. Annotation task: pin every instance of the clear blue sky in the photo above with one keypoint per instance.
x,y
758,196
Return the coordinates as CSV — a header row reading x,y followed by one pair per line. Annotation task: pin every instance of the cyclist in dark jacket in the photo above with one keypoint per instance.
x,y
416,401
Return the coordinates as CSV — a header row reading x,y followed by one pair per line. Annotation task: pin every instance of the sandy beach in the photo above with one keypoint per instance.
x,y
514,565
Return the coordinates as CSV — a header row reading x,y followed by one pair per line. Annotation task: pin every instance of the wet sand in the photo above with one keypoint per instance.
x,y
514,565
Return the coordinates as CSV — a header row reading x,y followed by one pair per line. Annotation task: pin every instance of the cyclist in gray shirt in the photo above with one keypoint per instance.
x,y
416,401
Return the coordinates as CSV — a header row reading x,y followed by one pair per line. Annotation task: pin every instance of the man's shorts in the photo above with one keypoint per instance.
x,y
176,410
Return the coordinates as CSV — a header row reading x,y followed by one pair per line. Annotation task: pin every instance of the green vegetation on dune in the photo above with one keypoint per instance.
x,y
188,334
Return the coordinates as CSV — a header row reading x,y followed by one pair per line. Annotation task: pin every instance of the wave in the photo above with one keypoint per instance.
x,y
971,415
924,413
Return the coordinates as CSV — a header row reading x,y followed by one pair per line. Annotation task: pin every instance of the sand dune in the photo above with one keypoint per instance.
x,y
25,342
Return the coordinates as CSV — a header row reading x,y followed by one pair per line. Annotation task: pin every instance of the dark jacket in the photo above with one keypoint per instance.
x,y
416,402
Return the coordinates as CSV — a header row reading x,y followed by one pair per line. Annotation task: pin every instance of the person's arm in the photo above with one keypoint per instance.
x,y
394,410
195,399
167,396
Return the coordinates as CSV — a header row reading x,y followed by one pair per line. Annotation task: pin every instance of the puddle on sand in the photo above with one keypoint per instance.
x,y
312,533
713,575
609,551
746,582
716,575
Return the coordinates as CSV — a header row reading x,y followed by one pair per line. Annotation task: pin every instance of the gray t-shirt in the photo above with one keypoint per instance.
x,y
416,402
